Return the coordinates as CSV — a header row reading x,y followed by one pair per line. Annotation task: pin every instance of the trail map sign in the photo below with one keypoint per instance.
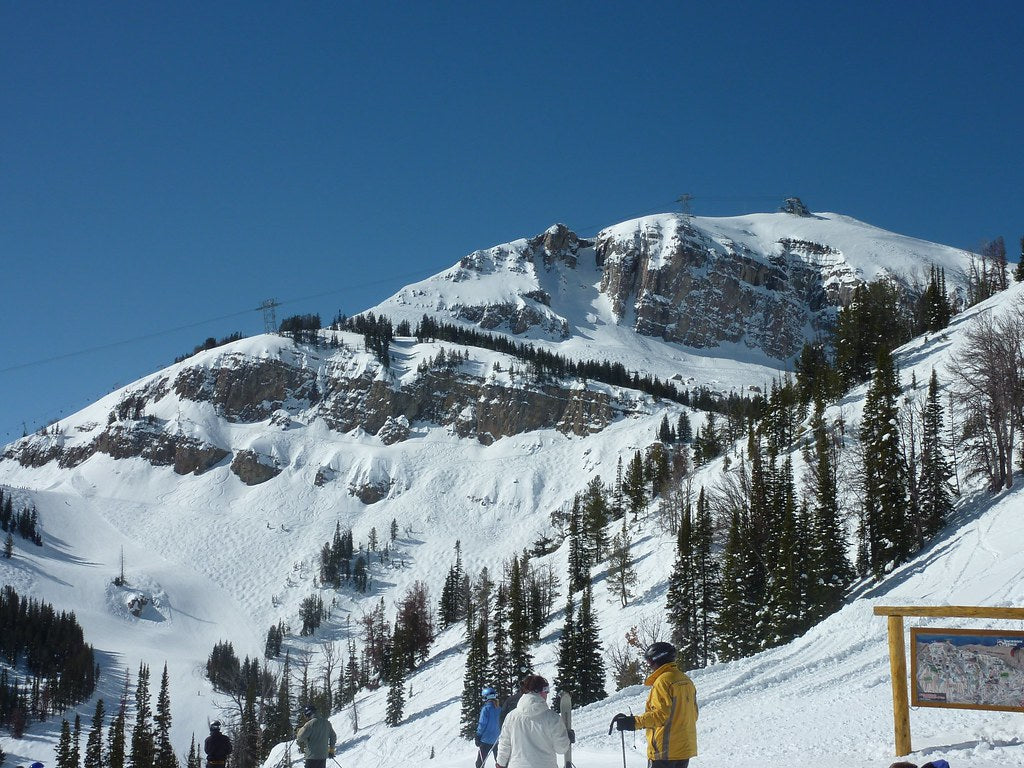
x,y
967,669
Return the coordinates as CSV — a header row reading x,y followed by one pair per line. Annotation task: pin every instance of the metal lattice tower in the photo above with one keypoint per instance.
x,y
269,315
685,200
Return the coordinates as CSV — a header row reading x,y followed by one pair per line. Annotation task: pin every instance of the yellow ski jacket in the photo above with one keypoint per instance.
x,y
670,716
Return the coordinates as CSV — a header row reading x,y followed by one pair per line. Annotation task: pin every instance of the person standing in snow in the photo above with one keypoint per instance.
x,y
487,727
316,738
533,733
670,716
217,747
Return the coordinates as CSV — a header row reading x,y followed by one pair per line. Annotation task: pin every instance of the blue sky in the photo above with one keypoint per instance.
x,y
166,167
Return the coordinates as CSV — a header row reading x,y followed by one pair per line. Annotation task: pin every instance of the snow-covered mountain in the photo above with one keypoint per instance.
x,y
749,287
220,478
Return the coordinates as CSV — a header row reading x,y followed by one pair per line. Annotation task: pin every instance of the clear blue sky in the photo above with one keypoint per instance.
x,y
168,166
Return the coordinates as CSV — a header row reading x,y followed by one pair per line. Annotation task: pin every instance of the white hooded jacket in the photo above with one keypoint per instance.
x,y
531,735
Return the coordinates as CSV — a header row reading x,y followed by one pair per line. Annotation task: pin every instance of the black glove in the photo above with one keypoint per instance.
x,y
478,742
623,722
572,735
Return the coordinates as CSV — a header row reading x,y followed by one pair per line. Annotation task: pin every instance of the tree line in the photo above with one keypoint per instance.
x,y
59,668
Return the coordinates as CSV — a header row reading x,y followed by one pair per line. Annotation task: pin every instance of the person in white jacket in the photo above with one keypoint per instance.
x,y
533,733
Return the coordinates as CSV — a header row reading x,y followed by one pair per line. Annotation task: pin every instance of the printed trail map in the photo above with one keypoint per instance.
x,y
967,668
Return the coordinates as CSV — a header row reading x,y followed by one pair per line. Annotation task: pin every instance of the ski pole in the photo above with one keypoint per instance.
x,y
335,761
623,735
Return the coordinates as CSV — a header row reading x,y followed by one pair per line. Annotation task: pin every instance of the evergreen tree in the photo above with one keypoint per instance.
x,y
76,742
589,656
886,530
579,561
193,760
165,757
476,677
707,584
143,747
736,630
116,733
567,666
65,751
829,573
94,741
594,509
279,718
396,696
936,501
1018,272
684,431
681,600
783,607
519,630
504,670
622,576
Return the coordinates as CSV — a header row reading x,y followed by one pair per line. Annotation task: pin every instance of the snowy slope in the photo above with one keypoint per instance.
x,y
221,560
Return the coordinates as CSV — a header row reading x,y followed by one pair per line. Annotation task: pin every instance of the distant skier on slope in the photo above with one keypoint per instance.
x,y
670,716
487,727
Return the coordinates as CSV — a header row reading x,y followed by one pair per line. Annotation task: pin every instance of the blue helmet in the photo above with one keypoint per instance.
x,y
489,693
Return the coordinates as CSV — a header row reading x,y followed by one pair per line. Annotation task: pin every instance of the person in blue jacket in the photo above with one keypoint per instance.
x,y
488,726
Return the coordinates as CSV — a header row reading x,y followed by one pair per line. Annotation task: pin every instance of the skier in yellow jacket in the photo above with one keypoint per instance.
x,y
670,716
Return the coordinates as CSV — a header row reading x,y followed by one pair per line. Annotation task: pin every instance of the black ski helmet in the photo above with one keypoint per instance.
x,y
215,725
660,653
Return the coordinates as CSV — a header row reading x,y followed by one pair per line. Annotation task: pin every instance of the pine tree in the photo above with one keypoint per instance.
x,y
143,748
567,666
594,509
476,677
684,431
708,583
165,757
829,572
519,630
193,760
94,741
886,529
783,608
590,660
579,561
622,576
116,732
1018,272
279,718
65,750
396,696
504,670
736,621
76,742
681,600
936,502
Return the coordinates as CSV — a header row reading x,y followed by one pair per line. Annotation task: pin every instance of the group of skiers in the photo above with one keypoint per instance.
x,y
526,733
315,739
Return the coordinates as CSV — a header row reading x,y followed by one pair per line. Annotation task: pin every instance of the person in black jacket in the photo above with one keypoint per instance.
x,y
217,747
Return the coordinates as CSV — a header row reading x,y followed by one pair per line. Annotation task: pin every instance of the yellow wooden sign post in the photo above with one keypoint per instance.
x,y
898,654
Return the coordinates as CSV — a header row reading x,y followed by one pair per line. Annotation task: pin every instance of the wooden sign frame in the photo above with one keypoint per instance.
x,y
917,698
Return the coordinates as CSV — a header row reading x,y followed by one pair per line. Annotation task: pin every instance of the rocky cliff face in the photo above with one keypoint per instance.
x,y
286,393
676,283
